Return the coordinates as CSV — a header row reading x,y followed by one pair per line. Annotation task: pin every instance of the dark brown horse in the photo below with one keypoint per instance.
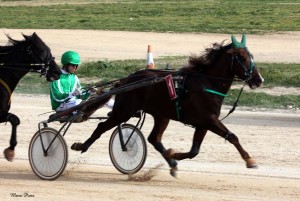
x,y
16,60
201,87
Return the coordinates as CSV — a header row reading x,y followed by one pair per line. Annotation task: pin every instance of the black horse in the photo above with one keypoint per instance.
x,y
200,87
16,60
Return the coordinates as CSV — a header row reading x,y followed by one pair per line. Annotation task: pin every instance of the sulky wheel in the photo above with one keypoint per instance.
x,y
48,154
132,158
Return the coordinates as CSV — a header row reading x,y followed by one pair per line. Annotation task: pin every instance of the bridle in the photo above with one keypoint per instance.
x,y
247,71
39,67
42,68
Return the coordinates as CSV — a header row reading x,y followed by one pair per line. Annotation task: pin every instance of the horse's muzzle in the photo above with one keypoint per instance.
x,y
255,82
52,75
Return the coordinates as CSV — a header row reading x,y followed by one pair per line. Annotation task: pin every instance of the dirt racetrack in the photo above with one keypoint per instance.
x,y
217,173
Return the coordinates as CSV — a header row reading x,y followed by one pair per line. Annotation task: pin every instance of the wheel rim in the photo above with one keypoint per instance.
x,y
54,162
132,158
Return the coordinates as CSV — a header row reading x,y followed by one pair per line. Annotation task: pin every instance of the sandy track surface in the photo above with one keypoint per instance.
x,y
217,173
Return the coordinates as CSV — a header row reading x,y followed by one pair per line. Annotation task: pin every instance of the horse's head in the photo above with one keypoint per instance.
x,y
40,55
243,64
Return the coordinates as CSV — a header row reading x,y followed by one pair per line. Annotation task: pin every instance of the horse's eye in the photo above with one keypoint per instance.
x,y
241,58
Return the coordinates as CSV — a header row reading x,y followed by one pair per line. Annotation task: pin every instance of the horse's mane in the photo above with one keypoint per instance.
x,y
27,40
13,42
10,44
198,63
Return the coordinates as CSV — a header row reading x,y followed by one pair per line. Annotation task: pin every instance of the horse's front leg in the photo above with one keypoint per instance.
x,y
233,139
199,135
9,152
219,128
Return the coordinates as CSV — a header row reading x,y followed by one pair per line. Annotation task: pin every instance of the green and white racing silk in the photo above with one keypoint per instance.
x,y
63,89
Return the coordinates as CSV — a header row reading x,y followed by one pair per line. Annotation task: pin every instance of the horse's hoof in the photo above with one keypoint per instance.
x,y
168,154
77,146
250,163
173,172
9,154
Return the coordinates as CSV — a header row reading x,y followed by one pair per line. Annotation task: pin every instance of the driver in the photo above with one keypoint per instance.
x,y
66,92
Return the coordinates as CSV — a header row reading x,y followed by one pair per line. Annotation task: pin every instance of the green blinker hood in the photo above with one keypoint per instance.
x,y
237,44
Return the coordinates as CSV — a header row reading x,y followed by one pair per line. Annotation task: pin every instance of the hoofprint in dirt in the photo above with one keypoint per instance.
x,y
217,173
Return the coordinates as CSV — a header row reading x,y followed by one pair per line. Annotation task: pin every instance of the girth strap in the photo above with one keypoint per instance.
x,y
7,89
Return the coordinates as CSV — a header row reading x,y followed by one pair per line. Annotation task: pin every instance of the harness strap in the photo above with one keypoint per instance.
x,y
214,92
7,89
17,67
178,108
178,82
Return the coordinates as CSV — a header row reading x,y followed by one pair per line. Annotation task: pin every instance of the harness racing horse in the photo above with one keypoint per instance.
x,y
16,60
202,86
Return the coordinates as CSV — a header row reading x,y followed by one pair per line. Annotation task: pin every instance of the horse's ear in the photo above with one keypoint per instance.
x,y
34,35
243,42
236,44
26,37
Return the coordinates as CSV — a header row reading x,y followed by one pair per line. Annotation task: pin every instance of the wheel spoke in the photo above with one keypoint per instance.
x,y
51,166
133,159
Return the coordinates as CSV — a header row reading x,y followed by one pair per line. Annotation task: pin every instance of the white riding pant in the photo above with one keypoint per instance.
x,y
74,102
69,104
110,103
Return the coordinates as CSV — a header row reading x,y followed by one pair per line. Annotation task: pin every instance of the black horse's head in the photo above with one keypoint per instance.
x,y
243,64
39,56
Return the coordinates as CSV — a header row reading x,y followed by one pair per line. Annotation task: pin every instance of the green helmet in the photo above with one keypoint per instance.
x,y
70,57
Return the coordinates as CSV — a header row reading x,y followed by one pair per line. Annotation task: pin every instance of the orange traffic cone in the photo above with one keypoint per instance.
x,y
150,61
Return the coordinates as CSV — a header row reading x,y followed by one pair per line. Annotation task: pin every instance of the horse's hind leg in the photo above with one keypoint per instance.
x,y
9,152
101,128
160,125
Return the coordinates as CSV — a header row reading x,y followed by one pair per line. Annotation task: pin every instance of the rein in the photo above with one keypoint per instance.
x,y
113,82
14,67
235,103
